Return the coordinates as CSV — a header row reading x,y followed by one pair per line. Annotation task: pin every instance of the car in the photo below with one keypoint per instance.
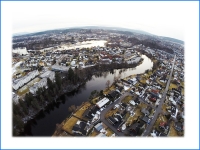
x,y
116,106
153,99
119,130
149,121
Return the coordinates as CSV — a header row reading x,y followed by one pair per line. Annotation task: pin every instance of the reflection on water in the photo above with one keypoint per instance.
x,y
45,123
86,44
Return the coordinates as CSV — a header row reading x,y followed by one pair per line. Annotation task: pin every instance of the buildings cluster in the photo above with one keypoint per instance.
x,y
131,115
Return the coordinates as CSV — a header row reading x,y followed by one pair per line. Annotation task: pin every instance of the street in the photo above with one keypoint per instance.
x,y
159,108
103,113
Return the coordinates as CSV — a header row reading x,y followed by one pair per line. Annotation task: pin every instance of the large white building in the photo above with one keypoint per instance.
x,y
59,68
20,82
48,74
43,81
37,85
134,60
102,102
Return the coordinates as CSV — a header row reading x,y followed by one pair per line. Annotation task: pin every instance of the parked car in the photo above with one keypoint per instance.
x,y
153,99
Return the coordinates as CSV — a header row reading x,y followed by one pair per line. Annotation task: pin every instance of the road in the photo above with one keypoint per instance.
x,y
159,108
157,111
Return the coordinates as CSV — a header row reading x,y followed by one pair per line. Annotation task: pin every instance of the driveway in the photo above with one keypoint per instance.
x,y
103,113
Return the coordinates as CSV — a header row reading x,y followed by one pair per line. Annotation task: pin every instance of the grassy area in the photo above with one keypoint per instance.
x,y
132,76
145,76
127,99
31,83
182,91
130,120
150,73
63,133
143,81
23,91
127,116
108,90
137,84
172,86
163,84
93,133
154,60
80,111
137,114
164,108
172,131
182,84
142,105
25,88
111,112
152,112
95,100
69,124
160,119
109,132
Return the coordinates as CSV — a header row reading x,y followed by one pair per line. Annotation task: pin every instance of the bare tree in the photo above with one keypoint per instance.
x,y
108,84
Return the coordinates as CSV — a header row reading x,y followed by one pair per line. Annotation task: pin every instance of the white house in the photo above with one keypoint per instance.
x,y
48,74
102,102
20,82
37,85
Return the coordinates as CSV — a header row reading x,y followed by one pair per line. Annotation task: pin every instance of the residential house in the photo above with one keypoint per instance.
x,y
102,102
80,128
41,83
20,82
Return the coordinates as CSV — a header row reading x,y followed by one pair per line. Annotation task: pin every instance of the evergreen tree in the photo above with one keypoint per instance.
x,y
23,106
16,109
70,74
58,80
15,132
42,100
17,122
35,104
49,84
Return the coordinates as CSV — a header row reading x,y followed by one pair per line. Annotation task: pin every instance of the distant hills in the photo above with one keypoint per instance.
x,y
173,40
97,27
21,33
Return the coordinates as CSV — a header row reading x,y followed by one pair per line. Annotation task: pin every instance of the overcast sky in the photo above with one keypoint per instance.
x,y
160,18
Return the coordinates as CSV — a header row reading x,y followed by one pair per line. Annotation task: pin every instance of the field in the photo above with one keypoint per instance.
x,y
81,110
69,124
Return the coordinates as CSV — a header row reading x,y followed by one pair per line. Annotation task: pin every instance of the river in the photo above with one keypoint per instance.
x,y
45,123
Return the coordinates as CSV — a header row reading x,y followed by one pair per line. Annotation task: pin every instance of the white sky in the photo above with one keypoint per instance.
x,y
160,18
149,17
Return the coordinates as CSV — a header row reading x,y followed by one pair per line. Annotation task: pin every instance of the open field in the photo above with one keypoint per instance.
x,y
81,110
127,99
69,124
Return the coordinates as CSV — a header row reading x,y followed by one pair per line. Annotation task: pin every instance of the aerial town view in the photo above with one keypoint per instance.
x,y
97,82
99,75
89,70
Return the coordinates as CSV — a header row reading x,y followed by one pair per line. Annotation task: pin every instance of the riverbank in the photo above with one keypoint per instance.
x,y
65,127
77,97
62,131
